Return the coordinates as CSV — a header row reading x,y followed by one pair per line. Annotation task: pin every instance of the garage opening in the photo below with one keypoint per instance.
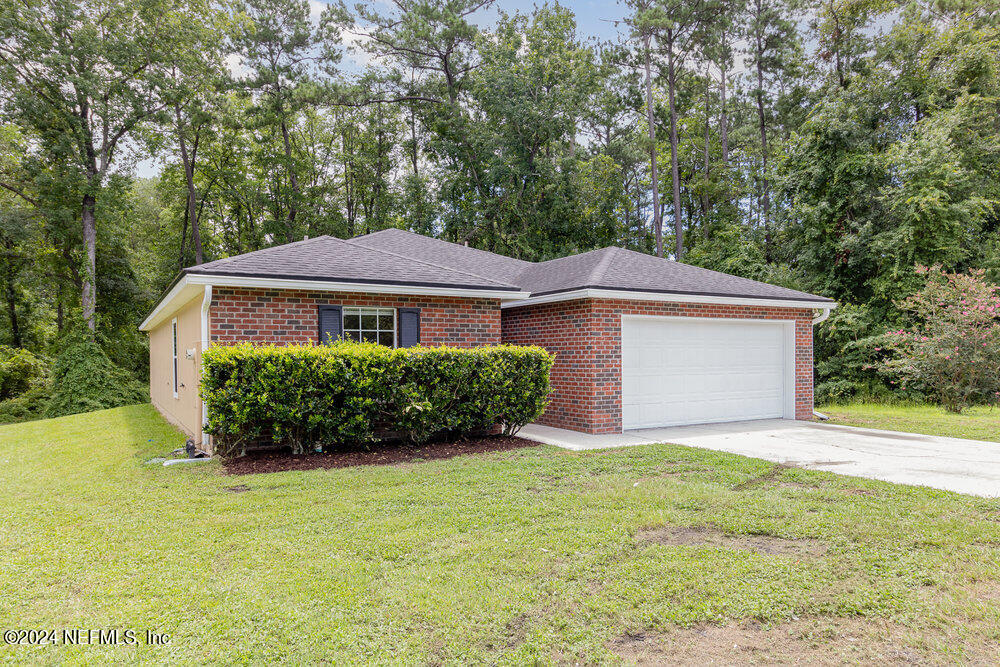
x,y
686,370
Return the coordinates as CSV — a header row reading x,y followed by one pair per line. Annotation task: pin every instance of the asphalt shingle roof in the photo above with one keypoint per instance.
x,y
329,258
395,256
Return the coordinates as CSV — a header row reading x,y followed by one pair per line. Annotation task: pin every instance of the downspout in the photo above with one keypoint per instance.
x,y
816,320
206,305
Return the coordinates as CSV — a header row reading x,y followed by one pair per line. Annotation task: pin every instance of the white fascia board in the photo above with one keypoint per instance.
x,y
196,281
179,295
664,297
332,286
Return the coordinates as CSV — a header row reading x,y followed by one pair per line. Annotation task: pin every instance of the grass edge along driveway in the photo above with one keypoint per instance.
x,y
535,554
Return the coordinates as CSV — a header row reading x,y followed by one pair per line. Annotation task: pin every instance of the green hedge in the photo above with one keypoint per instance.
x,y
315,397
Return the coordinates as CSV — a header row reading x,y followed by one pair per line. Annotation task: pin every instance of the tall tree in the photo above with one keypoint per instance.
x,y
78,73
771,35
278,47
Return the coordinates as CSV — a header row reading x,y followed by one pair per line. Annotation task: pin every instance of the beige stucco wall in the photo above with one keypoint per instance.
x,y
185,410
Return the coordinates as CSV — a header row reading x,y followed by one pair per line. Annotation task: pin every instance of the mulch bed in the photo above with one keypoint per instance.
x,y
279,460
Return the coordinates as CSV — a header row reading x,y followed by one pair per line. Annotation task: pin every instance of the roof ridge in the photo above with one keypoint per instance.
x,y
425,262
434,238
602,266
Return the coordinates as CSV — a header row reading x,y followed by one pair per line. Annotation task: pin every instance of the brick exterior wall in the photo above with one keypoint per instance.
x,y
291,316
586,337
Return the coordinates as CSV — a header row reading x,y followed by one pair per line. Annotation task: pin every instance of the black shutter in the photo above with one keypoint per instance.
x,y
409,327
331,323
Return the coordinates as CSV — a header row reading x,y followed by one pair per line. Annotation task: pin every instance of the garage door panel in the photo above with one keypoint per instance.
x,y
677,371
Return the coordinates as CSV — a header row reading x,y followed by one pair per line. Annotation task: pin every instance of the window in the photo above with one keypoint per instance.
x,y
370,325
173,348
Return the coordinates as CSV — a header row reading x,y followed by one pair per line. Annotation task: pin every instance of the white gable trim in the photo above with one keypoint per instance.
x,y
662,296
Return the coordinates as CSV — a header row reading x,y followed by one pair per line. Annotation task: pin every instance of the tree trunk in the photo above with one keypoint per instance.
x,y
88,292
657,218
184,232
723,117
675,171
707,166
293,181
192,195
59,308
765,195
11,293
413,141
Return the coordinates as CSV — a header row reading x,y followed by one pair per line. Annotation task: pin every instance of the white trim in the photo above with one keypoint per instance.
x,y
333,286
206,307
822,316
317,286
788,333
378,330
664,297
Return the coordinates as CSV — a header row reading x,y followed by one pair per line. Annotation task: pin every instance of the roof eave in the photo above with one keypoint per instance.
x,y
676,297
194,283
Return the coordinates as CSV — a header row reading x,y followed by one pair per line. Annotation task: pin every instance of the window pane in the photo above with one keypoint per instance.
x,y
368,322
351,321
369,336
352,335
385,338
385,321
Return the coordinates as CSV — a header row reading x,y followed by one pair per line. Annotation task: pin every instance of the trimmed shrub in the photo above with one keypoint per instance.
x,y
84,379
323,396
20,371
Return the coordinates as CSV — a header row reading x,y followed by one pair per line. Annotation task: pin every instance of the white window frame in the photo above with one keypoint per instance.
x,y
173,349
377,311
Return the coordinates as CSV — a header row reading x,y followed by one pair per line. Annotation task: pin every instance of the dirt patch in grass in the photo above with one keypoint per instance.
x,y
814,641
701,536
239,488
265,461
770,476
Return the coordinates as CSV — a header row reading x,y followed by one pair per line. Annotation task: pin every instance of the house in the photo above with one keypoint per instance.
x,y
640,341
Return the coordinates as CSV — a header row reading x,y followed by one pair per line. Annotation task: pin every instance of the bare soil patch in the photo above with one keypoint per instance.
x,y
280,460
707,536
771,475
813,641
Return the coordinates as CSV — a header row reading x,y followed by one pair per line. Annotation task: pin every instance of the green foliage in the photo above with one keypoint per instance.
x,y
20,371
28,406
84,379
323,396
843,346
953,352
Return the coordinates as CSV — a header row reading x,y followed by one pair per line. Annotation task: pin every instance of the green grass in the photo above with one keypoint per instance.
x,y
977,423
506,558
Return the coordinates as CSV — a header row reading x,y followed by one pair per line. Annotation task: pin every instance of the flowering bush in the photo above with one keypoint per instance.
x,y
952,354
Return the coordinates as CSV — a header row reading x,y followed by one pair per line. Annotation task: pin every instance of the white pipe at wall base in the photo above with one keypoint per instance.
x,y
816,320
206,305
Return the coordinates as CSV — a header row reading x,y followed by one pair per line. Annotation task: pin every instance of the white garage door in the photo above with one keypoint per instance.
x,y
694,371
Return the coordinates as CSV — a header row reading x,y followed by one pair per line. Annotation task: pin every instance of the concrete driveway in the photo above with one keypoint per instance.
x,y
952,464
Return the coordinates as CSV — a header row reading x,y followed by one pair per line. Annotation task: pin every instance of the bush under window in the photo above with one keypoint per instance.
x,y
315,397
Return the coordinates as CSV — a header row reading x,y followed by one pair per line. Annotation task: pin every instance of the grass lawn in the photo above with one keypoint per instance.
x,y
658,552
978,423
